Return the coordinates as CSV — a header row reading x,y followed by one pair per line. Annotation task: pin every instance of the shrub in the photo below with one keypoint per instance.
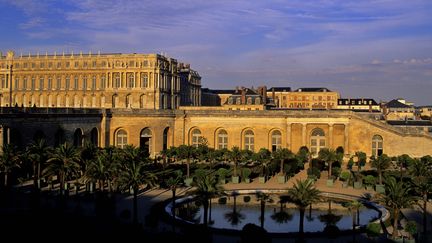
x,y
222,173
350,164
314,172
336,171
246,199
373,229
345,176
246,172
222,200
369,180
411,227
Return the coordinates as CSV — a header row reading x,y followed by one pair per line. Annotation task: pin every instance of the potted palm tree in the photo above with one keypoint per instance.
x,y
245,174
369,181
380,163
282,154
329,156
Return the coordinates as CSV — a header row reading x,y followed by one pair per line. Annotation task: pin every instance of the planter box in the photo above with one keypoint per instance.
x,y
329,183
247,180
281,179
369,188
345,184
188,181
380,188
358,184
235,179
222,181
262,179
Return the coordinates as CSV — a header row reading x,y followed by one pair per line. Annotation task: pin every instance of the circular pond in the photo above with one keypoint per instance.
x,y
234,212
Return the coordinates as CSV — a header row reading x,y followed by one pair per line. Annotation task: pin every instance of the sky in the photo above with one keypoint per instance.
x,y
379,49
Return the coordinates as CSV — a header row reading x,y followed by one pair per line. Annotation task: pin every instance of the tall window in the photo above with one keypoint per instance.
x,y
121,138
131,81
67,83
58,86
85,83
249,140
93,86
276,138
24,87
16,84
222,139
117,81
103,82
377,145
41,84
144,81
33,83
76,82
49,83
318,141
196,137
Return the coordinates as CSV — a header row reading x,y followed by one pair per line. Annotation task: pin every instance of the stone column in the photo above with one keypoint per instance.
x,y
304,134
330,135
288,135
346,138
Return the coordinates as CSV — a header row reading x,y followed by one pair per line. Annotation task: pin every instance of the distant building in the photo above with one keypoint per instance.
x,y
359,104
304,98
425,112
398,110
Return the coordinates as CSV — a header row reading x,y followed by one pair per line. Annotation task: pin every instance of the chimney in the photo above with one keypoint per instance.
x,y
243,96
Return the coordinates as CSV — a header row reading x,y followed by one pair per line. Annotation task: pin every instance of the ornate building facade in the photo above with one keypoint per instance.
x,y
146,81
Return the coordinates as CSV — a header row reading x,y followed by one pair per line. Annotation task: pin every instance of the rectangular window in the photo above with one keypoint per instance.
x,y
33,84
24,87
85,83
25,65
103,82
50,65
58,86
93,86
67,64
85,64
144,81
16,84
76,83
59,65
42,65
76,64
41,84
49,83
67,85
94,64
33,65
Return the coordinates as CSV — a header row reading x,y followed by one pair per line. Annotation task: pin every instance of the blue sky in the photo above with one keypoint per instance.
x,y
380,49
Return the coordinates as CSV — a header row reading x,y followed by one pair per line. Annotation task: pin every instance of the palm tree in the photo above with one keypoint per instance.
x,y
354,207
134,174
303,194
64,162
98,170
9,159
235,156
380,164
186,152
281,216
397,196
38,152
263,198
282,154
329,156
173,183
423,185
206,188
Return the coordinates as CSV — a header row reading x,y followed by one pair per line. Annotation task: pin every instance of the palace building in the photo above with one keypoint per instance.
x,y
154,102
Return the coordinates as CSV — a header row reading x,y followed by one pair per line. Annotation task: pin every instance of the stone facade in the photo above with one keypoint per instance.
x,y
147,81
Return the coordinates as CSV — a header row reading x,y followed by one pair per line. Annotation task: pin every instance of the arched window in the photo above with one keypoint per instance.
x,y
249,140
222,141
318,141
78,138
276,140
196,137
121,138
94,137
146,141
165,139
377,145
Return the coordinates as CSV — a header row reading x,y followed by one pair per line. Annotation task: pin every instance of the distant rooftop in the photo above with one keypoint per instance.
x,y
396,104
312,90
279,89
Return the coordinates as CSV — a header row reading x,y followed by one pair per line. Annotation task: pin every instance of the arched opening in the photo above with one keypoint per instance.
x,y
377,145
59,137
276,140
222,139
94,137
146,141
121,138
78,138
318,141
165,139
196,137
249,140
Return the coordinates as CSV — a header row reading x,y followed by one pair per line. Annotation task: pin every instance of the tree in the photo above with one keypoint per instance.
x,y
134,174
186,152
64,162
281,216
422,173
329,156
173,183
354,207
38,152
235,156
98,170
263,198
397,196
302,194
380,164
9,159
282,154
234,217
206,188
361,159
